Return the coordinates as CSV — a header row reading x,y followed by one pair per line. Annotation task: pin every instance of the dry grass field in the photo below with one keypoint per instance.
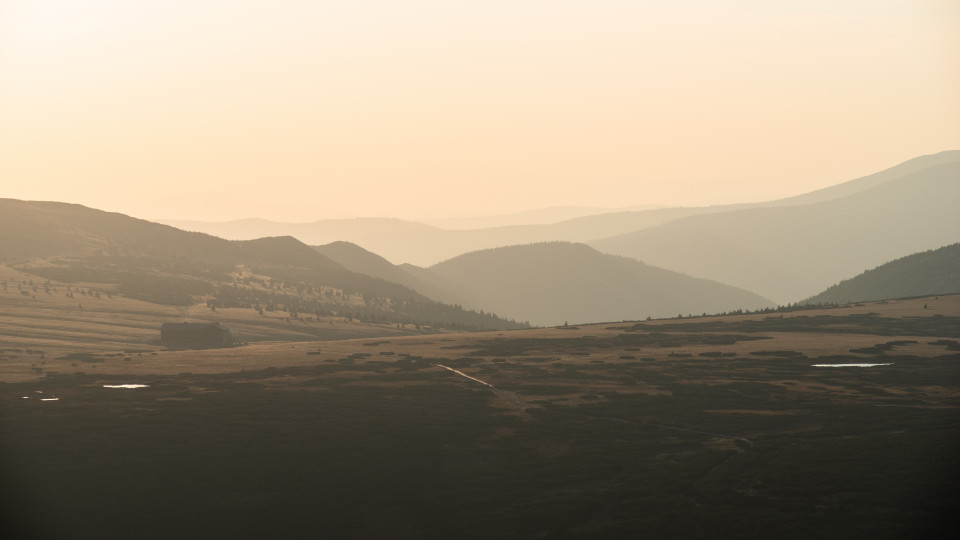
x,y
43,328
683,428
38,338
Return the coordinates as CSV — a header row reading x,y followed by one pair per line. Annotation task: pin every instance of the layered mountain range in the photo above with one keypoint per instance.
x,y
157,263
608,266
553,283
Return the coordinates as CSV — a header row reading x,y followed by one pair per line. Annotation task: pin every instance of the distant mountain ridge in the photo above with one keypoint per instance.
x,y
42,228
784,250
357,259
33,229
540,216
929,273
556,282
864,183
161,264
533,283
788,253
402,241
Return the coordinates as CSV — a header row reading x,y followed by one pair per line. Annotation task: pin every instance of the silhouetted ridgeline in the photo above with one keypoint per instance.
x,y
928,273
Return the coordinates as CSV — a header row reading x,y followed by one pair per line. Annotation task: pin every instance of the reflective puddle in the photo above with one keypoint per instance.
x,y
41,398
851,365
126,386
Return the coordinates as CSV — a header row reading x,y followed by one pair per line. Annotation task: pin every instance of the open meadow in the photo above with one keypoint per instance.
x,y
696,427
56,326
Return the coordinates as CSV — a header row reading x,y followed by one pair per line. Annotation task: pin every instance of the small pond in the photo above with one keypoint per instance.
x,y
850,365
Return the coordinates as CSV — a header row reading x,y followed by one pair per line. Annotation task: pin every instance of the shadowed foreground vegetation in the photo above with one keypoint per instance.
x,y
682,432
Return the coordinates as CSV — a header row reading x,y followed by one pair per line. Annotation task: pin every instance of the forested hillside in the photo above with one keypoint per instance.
x,y
927,273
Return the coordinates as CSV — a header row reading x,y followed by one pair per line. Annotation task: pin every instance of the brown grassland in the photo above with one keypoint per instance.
x,y
695,427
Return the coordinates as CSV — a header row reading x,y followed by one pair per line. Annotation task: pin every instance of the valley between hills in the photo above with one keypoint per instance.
x,y
465,270
785,369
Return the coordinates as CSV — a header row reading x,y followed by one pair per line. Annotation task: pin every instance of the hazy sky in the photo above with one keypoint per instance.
x,y
302,110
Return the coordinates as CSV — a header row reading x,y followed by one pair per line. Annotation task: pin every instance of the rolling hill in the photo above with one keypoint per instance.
x,y
557,282
862,184
788,253
30,229
157,263
357,259
402,241
415,243
929,273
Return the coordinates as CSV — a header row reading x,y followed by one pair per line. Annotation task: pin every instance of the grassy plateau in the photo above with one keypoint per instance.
x,y
706,427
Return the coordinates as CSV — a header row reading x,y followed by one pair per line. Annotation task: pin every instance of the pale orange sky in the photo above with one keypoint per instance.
x,y
296,110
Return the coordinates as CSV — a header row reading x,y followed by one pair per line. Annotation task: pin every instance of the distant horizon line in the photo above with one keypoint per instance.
x,y
445,220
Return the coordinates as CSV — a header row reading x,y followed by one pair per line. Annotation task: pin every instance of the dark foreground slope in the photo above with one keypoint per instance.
x,y
921,274
694,428
557,282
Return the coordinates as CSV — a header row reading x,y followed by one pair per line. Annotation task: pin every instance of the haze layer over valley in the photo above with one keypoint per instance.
x,y
470,270
785,250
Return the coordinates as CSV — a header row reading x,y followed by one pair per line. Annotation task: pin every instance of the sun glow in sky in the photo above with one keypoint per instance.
x,y
297,110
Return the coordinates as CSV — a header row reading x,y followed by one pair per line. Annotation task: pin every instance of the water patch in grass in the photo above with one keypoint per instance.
x,y
851,365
